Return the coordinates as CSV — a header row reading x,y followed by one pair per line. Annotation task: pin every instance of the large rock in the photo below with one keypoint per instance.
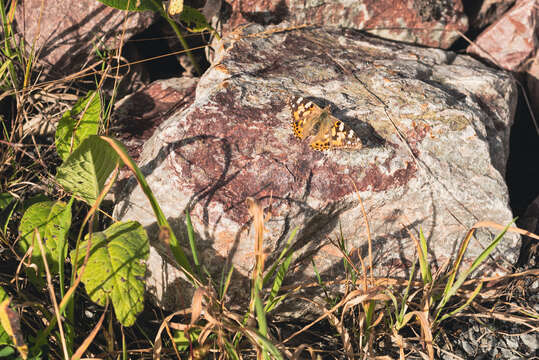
x,y
66,33
434,127
429,23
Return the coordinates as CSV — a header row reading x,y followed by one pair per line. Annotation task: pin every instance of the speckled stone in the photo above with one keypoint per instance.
x,y
435,127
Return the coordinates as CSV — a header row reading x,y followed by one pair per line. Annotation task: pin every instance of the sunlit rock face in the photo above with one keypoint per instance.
x,y
435,131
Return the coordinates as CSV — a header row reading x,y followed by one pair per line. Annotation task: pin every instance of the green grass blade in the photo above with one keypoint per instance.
x,y
175,247
267,345
224,286
260,313
460,308
452,291
191,236
271,271
283,269
404,306
423,259
231,351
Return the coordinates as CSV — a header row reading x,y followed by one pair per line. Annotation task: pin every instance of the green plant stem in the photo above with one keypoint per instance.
x,y
176,29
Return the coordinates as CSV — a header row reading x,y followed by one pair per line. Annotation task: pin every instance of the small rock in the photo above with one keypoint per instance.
x,y
531,341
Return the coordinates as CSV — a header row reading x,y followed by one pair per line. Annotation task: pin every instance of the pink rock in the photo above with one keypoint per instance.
x,y
435,132
511,42
66,32
428,23
137,116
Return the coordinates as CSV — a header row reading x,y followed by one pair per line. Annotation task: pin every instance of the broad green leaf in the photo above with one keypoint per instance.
x,y
194,19
116,268
7,351
133,5
182,342
85,171
77,124
5,199
7,207
52,219
4,337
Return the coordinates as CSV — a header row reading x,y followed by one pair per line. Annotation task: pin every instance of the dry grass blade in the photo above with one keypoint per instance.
x,y
343,332
509,229
355,297
530,272
526,321
367,228
358,296
90,338
51,293
426,332
28,255
299,350
258,220
399,340
158,344
205,332
171,337
196,304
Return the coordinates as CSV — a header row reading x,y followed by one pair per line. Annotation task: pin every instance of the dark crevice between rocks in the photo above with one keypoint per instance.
x,y
523,180
159,40
277,15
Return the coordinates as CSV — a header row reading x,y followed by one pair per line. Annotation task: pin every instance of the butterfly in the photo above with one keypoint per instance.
x,y
327,132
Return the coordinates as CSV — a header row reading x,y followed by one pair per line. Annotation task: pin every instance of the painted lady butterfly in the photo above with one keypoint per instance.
x,y
328,132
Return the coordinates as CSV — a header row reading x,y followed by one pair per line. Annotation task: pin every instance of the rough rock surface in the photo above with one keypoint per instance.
x,y
66,32
435,129
137,116
482,14
423,22
512,41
